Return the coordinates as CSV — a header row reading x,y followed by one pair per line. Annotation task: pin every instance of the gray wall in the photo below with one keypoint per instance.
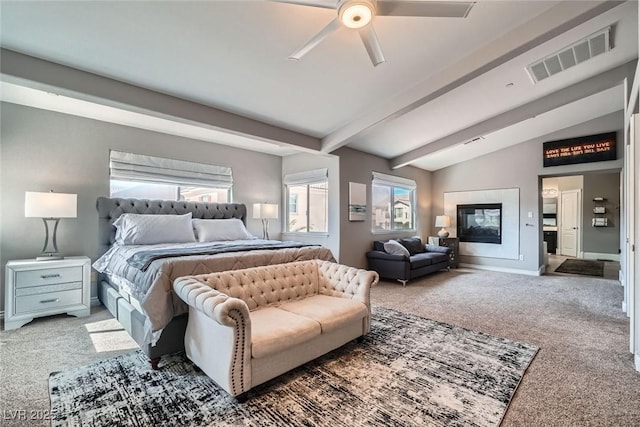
x,y
601,240
305,162
42,150
356,238
521,166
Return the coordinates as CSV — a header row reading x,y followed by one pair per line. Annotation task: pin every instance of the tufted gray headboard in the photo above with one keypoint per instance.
x,y
109,209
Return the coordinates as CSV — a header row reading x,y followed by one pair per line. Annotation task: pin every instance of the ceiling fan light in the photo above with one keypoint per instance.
x,y
356,14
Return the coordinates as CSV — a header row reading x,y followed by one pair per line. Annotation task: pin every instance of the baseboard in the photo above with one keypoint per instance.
x,y
621,277
501,269
595,255
94,302
636,359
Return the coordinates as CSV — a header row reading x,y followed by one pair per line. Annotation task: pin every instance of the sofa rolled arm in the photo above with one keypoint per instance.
x,y
440,249
218,306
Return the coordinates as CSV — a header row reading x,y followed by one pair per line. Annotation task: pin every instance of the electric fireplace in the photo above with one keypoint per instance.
x,y
480,223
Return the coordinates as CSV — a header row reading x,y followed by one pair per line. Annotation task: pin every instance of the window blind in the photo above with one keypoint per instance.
x,y
306,177
139,167
393,181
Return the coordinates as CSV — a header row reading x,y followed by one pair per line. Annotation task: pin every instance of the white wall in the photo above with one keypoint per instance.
x,y
305,162
42,150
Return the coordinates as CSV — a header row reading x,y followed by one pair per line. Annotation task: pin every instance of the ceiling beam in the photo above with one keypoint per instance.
x,y
547,103
44,75
554,22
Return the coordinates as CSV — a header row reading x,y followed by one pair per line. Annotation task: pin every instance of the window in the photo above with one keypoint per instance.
x,y
308,201
147,177
293,203
393,203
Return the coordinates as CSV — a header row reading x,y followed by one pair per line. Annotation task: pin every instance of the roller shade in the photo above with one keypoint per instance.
x,y
306,177
393,181
142,168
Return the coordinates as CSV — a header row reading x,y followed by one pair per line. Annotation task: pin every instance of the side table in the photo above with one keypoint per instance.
x,y
450,242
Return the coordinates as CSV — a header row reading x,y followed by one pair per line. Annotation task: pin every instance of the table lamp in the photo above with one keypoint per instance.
x,y
265,212
443,221
50,207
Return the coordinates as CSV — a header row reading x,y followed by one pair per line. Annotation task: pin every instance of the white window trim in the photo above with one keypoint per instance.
x,y
307,178
382,179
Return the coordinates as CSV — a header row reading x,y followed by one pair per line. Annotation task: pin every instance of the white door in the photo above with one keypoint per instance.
x,y
569,222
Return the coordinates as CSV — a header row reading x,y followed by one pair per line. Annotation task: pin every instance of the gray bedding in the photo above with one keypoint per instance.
x,y
152,288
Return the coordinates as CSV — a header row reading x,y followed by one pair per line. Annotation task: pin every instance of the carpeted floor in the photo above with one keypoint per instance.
x,y
409,370
583,373
586,267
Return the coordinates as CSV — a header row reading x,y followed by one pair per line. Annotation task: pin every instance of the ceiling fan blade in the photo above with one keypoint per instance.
x,y
333,26
327,4
443,9
371,43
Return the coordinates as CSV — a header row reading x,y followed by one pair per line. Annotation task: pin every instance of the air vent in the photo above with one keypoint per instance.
x,y
480,138
569,56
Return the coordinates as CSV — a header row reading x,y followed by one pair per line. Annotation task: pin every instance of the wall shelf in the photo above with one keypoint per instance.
x,y
599,212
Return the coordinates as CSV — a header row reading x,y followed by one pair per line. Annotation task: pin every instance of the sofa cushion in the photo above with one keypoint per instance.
x,y
414,245
331,312
395,248
427,258
378,245
273,330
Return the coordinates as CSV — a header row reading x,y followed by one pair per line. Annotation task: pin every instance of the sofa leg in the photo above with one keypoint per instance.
x,y
154,363
242,397
404,282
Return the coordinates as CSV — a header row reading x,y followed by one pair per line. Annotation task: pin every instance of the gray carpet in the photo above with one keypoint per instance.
x,y
583,374
409,371
586,267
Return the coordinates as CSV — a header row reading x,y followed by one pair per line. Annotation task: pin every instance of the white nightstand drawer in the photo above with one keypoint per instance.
x,y
38,290
40,302
47,276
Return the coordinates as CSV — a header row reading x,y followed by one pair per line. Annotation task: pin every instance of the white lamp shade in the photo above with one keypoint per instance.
x,y
265,210
443,221
50,205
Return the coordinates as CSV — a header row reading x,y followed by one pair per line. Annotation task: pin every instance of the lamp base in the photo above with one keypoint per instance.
x,y
443,233
49,256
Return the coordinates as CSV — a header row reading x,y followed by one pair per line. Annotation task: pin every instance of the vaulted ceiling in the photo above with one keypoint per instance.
x,y
445,82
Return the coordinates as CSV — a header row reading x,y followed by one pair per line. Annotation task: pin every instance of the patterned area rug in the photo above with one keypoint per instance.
x,y
409,371
586,267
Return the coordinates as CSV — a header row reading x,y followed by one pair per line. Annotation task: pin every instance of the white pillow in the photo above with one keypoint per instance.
x,y
212,230
138,229
395,248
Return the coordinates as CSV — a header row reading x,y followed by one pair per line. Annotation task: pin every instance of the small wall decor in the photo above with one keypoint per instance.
x,y
584,149
357,201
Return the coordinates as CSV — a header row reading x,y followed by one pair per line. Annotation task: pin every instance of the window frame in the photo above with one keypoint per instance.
x,y
393,183
307,179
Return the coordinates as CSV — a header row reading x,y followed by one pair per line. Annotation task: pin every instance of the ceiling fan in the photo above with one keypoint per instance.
x,y
359,14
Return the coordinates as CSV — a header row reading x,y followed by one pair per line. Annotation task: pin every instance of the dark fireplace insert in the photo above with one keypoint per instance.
x,y
480,223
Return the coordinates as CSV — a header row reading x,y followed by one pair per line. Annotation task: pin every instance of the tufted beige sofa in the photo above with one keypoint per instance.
x,y
248,326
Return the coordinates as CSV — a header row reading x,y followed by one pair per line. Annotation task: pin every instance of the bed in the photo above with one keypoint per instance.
x,y
136,280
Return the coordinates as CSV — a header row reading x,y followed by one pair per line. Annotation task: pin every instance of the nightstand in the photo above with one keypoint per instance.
x,y
42,288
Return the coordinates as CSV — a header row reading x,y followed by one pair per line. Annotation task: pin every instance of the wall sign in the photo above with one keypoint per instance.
x,y
585,149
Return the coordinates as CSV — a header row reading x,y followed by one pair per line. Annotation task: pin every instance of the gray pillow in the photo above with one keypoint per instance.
x,y
395,248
